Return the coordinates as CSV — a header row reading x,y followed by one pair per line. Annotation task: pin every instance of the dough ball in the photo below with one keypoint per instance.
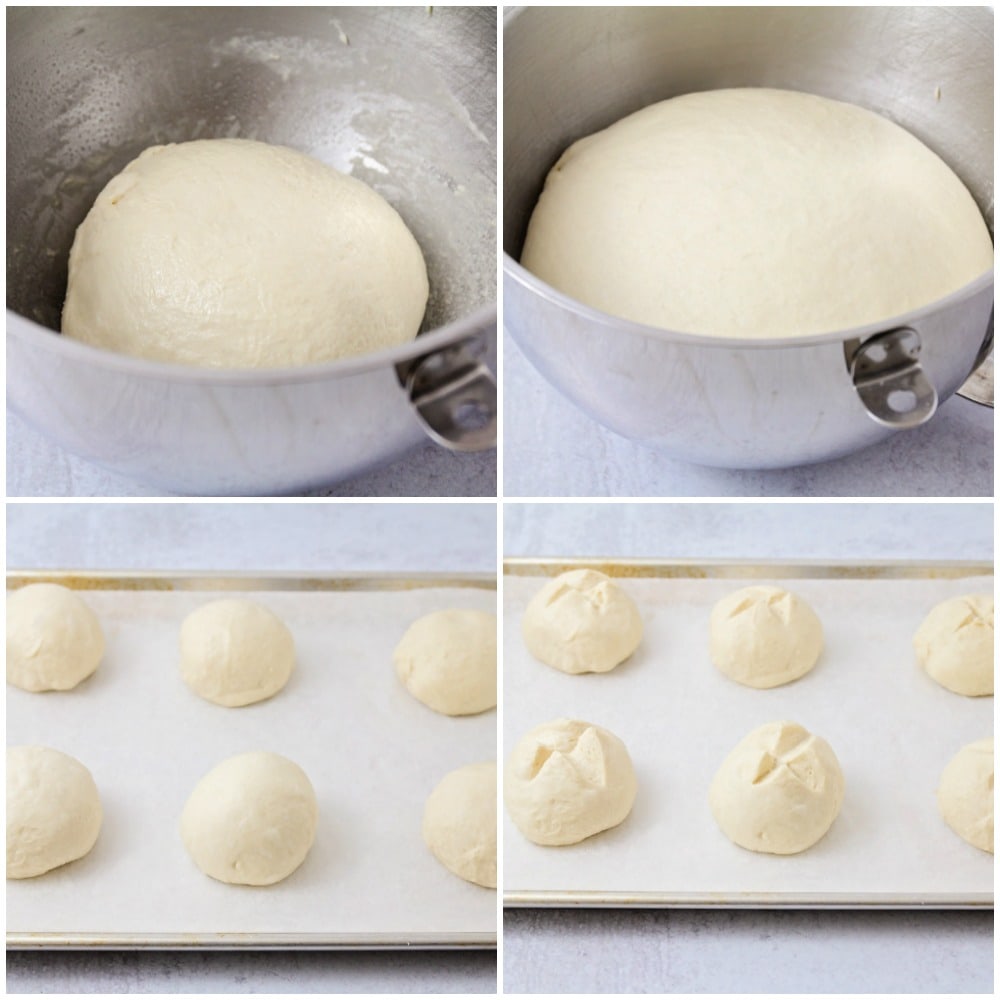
x,y
53,810
460,823
764,636
582,622
965,794
448,660
251,820
955,644
567,780
755,213
779,790
54,640
227,253
235,652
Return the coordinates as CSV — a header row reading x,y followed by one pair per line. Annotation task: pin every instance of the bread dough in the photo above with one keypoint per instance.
x,y
955,644
448,660
567,780
965,794
235,652
53,810
54,640
755,213
227,253
582,622
460,823
779,791
251,820
764,636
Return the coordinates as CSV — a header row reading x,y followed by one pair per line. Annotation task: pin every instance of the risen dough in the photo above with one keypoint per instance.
x,y
448,660
235,652
567,780
965,794
54,640
581,622
755,213
779,791
251,820
955,644
53,810
460,823
764,636
238,254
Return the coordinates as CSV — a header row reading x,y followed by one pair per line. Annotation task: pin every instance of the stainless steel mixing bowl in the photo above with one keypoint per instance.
x,y
403,98
569,72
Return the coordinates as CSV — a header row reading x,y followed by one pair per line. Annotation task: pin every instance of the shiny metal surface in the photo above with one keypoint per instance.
x,y
403,98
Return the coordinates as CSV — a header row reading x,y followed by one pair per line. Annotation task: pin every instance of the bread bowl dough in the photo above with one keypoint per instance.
x,y
755,213
778,791
227,253
448,660
580,622
235,652
460,823
251,820
53,810
764,636
965,794
54,640
567,780
954,644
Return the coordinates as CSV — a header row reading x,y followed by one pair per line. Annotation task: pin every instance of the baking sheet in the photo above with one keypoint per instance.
x,y
372,752
892,727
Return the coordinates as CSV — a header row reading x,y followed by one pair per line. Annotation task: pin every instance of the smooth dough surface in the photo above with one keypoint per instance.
x,y
755,213
228,253
54,640
53,810
582,622
460,823
448,660
778,791
954,644
235,652
567,780
251,820
965,794
764,636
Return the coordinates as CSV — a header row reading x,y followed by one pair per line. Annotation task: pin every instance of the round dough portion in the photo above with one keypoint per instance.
x,y
54,640
567,780
251,820
235,652
460,823
778,791
227,253
755,213
448,660
955,644
582,622
764,636
965,794
53,810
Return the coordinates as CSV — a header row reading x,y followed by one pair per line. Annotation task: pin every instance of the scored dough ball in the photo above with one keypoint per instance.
x,y
567,780
229,253
53,810
779,791
460,823
448,660
251,820
235,652
955,644
54,640
764,636
582,622
755,213
965,794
